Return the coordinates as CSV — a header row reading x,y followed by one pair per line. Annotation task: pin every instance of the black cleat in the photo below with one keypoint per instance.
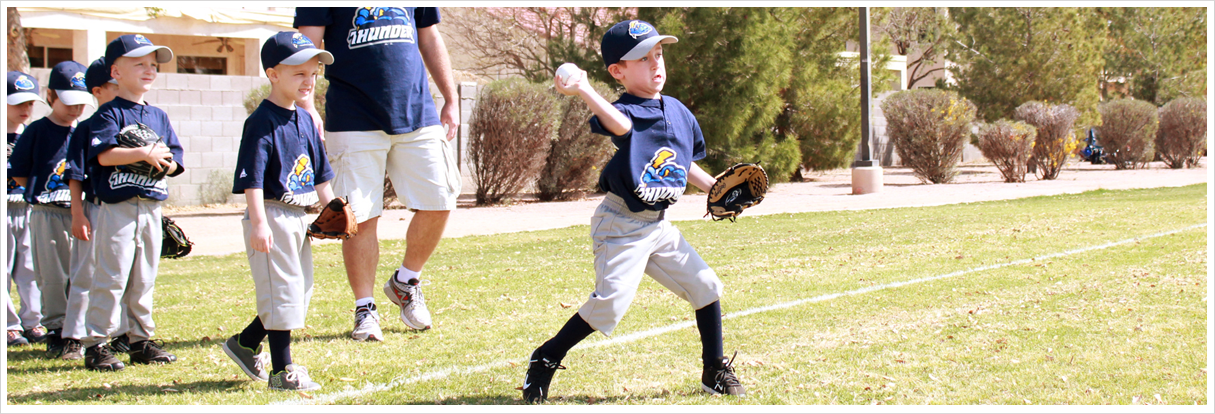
x,y
149,352
720,379
121,344
101,358
35,335
72,350
54,344
539,374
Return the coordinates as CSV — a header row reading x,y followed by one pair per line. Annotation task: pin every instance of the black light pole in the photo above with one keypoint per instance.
x,y
864,157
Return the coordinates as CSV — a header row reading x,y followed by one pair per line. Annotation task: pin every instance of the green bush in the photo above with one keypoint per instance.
x,y
258,94
929,129
1008,145
1182,136
1055,139
1127,132
510,133
577,156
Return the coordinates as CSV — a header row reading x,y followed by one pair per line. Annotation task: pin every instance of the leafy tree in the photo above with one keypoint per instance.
x,y
1007,56
1161,50
911,30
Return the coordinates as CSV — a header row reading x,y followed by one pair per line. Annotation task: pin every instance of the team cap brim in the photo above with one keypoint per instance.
x,y
23,97
163,53
74,97
639,51
305,55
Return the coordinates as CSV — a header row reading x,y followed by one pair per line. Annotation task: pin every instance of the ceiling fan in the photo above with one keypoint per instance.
x,y
223,44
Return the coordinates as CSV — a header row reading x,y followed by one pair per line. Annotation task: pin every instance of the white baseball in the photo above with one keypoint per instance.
x,y
566,72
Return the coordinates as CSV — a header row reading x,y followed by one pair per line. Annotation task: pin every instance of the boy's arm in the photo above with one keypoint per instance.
x,y
700,178
610,118
261,238
325,192
81,228
317,35
157,155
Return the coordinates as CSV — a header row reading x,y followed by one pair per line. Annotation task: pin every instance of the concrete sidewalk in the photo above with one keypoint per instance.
x,y
218,231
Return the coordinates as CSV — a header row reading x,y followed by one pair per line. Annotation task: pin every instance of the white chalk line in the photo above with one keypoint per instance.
x,y
446,372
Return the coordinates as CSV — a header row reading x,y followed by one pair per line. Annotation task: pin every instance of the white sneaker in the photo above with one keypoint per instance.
x,y
293,378
409,297
367,324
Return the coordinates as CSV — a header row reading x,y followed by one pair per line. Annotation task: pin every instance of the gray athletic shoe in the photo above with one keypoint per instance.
x,y
293,378
367,324
409,297
252,361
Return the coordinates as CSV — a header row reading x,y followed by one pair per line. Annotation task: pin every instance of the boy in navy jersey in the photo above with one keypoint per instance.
x,y
80,274
25,327
281,168
657,140
126,225
39,163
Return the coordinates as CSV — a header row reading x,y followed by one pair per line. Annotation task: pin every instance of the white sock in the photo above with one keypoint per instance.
x,y
364,301
404,275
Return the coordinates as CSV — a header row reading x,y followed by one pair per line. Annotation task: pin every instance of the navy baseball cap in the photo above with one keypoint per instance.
x,y
291,48
67,80
135,45
98,74
22,88
630,40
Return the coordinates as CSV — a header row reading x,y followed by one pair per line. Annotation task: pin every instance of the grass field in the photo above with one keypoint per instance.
x,y
815,305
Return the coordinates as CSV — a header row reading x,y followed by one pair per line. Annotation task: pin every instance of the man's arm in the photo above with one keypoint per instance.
x,y
317,35
434,54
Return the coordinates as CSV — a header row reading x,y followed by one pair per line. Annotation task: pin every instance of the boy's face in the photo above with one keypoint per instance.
x,y
105,93
643,77
66,112
20,113
295,81
135,73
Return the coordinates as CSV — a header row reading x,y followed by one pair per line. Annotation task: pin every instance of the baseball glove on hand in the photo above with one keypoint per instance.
x,y
736,189
335,222
139,135
175,245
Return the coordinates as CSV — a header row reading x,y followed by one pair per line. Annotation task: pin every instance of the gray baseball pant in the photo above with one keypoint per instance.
x,y
19,263
126,253
50,229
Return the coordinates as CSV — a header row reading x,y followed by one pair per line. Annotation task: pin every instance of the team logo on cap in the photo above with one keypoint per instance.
x,y
139,39
299,40
662,179
379,25
23,83
639,28
78,80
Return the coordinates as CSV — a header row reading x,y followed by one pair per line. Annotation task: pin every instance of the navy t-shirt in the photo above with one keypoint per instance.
x,y
650,167
41,156
76,153
281,144
377,80
16,192
111,185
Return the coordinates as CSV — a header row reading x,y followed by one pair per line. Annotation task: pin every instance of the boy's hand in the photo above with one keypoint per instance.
x,y
81,228
573,85
159,157
261,238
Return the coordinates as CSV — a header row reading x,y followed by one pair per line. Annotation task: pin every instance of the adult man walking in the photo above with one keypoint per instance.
x,y
382,119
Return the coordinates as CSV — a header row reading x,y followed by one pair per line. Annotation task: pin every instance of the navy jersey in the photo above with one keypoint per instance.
x,y
77,151
281,153
41,156
377,80
650,167
16,192
113,186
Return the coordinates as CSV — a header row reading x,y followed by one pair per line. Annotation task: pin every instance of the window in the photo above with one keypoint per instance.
x,y
202,65
47,57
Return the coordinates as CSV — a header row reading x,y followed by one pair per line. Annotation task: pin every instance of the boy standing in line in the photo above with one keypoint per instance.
x,y
39,163
281,168
126,225
657,140
23,328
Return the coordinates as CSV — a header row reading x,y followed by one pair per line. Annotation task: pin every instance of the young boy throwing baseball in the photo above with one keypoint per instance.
x,y
129,183
657,141
281,168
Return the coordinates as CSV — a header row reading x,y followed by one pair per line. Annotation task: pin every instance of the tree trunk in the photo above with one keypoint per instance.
x,y
17,58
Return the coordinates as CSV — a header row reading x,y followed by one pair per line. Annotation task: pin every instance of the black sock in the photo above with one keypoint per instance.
x,y
708,321
574,331
253,334
280,350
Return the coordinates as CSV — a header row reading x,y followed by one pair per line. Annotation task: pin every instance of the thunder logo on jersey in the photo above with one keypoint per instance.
x,y
662,179
56,188
301,176
378,25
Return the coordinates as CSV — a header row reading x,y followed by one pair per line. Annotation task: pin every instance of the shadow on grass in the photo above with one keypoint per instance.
x,y
99,394
516,398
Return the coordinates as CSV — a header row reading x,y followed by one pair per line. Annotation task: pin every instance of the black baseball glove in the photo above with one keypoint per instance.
x,y
175,245
138,135
737,189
